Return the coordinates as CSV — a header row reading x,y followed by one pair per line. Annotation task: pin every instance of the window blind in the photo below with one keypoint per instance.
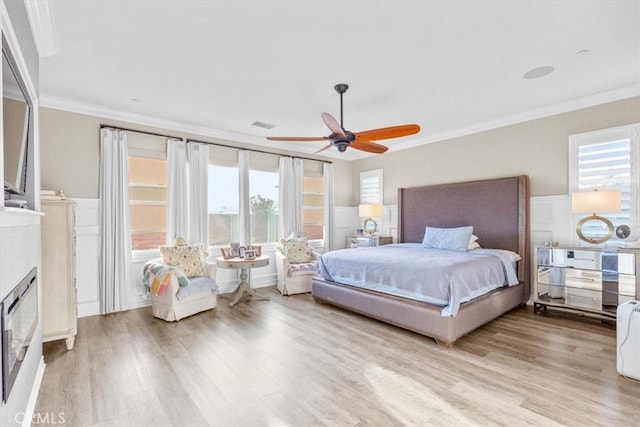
x,y
371,187
607,159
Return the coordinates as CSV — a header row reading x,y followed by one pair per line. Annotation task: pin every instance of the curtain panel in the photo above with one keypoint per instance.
x,y
245,205
198,195
177,198
329,206
115,230
291,175
298,183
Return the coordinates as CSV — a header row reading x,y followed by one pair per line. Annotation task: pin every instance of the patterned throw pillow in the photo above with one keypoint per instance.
x,y
186,258
453,239
297,251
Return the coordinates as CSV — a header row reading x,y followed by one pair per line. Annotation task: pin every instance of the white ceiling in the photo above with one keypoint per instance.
x,y
215,67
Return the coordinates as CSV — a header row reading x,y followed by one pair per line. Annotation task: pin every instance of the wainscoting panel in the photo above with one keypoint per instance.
x,y
345,223
551,220
87,256
389,222
137,294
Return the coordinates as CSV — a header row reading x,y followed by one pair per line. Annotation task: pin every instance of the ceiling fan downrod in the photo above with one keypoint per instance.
x,y
341,88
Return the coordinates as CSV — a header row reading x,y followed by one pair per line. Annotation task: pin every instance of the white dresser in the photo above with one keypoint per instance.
x,y
58,278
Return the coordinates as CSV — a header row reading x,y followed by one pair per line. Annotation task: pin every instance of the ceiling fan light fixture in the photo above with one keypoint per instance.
x,y
342,146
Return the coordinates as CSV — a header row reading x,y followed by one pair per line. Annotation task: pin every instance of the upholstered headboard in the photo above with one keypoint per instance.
x,y
498,210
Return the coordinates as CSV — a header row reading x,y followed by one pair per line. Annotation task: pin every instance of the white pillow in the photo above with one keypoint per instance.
x,y
473,244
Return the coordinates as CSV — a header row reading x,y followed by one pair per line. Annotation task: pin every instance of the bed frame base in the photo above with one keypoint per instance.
x,y
420,317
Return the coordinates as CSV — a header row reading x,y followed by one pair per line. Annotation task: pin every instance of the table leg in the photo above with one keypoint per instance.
x,y
243,287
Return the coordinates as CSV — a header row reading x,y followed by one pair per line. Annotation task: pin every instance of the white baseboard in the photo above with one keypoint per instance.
x,y
90,308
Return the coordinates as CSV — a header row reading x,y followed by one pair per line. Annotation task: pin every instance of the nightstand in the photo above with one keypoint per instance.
x,y
365,241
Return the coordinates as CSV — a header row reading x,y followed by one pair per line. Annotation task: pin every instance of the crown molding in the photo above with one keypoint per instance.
x,y
223,136
64,104
565,107
42,26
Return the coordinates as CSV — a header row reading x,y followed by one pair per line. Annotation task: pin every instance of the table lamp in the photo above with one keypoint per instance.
x,y
595,202
369,212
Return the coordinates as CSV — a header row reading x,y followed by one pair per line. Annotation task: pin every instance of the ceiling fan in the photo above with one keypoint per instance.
x,y
342,138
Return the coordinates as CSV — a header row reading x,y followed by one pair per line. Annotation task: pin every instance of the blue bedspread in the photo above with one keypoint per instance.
x,y
441,277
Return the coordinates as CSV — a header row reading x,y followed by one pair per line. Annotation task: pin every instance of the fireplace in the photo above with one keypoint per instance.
x,y
18,323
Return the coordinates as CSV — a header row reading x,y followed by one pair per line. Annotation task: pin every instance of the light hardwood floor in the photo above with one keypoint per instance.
x,y
292,362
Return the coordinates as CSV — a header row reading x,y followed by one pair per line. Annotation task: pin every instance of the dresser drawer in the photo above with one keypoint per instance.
x,y
583,298
627,285
552,275
585,279
589,260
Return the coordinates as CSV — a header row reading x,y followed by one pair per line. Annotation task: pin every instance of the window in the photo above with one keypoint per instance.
x,y
313,207
223,205
371,187
264,180
263,200
224,198
607,160
147,202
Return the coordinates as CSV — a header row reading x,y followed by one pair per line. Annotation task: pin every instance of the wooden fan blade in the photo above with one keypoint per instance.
x,y
297,138
387,133
368,146
323,148
333,124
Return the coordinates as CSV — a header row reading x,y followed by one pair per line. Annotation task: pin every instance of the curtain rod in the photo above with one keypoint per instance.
x,y
212,143
258,151
140,131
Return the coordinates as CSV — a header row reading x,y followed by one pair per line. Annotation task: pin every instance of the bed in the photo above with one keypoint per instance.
x,y
498,210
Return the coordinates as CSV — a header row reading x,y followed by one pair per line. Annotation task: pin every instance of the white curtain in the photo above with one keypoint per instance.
x,y
286,210
298,182
244,206
115,231
198,196
291,175
177,200
329,201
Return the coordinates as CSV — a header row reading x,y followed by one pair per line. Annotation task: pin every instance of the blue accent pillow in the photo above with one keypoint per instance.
x,y
454,239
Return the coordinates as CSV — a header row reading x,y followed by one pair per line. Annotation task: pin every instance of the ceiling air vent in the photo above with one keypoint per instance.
x,y
263,125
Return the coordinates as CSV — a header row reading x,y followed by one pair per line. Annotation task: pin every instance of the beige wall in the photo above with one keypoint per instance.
x,y
538,148
70,154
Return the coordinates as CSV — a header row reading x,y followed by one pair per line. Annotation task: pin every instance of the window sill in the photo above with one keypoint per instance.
x,y
144,255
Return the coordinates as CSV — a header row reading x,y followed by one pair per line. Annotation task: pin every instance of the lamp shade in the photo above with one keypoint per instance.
x,y
595,202
370,211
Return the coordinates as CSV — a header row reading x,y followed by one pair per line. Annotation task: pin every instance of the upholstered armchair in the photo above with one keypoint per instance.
x,y
180,283
296,265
